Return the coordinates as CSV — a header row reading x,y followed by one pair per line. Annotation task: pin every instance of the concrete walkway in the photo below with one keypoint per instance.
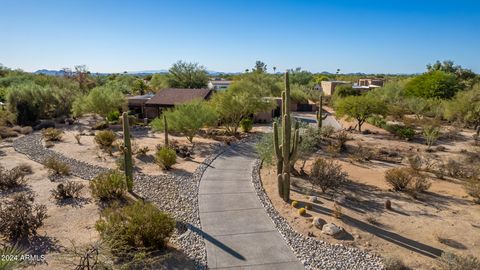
x,y
238,233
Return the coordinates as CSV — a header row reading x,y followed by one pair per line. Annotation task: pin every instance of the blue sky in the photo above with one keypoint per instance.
x,y
230,35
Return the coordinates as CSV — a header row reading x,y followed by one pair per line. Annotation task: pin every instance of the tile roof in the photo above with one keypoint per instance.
x,y
175,96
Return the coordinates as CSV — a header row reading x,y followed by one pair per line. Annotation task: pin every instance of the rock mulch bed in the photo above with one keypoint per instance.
x,y
175,193
314,253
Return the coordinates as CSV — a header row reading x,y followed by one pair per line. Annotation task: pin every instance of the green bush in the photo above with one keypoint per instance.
x,y
52,135
113,116
136,226
403,132
7,118
56,166
450,261
246,124
105,139
377,121
264,148
166,157
20,218
108,186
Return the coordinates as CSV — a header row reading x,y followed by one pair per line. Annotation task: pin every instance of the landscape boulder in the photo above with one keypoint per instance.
x,y
341,199
332,229
313,199
45,124
318,223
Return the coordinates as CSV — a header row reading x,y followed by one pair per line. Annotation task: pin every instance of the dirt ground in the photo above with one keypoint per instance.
x,y
72,221
415,230
89,152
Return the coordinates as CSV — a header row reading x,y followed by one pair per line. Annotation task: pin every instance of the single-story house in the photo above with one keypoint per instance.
x,y
219,84
151,106
328,87
268,116
371,82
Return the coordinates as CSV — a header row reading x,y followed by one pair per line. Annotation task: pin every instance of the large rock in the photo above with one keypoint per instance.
x,y
342,199
332,229
318,222
313,199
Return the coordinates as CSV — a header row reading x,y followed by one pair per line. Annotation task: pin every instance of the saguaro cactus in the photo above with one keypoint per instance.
x,y
287,149
165,129
127,151
320,118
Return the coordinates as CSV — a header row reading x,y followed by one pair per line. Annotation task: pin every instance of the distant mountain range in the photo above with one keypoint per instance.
x,y
136,73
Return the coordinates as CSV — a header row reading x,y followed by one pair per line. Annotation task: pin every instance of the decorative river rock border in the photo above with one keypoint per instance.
x,y
314,253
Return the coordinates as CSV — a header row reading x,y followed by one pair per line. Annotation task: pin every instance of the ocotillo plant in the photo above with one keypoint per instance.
x,y
287,149
320,118
127,152
165,129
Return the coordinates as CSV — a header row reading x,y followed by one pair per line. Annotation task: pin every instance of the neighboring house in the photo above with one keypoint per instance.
x,y
268,116
371,82
219,84
151,106
328,87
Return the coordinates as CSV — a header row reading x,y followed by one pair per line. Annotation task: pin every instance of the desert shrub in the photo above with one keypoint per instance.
x,y
415,162
472,186
7,118
419,184
406,179
342,137
25,168
100,125
326,174
52,134
56,166
68,190
394,264
399,178
166,157
105,139
400,131
140,225
450,261
302,211
142,151
113,116
362,153
431,134
6,132
11,178
455,169
264,148
108,186
327,131
246,124
20,218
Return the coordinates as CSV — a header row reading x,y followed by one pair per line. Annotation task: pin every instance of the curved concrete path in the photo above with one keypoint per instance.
x,y
238,233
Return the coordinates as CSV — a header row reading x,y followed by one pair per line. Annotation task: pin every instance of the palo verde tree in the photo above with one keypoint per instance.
x,y
359,108
434,84
187,75
239,101
465,108
186,119
101,100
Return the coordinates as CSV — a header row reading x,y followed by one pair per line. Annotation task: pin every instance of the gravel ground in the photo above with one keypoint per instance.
x,y
314,253
175,193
